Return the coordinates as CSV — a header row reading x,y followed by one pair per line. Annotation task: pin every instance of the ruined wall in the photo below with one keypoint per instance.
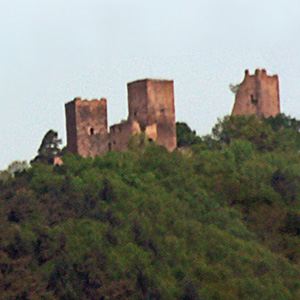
x,y
258,94
120,133
151,104
87,127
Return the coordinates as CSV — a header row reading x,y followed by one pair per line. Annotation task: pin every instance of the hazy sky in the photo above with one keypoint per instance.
x,y
54,50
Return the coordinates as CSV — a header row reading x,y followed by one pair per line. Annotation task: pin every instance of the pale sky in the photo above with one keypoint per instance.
x,y
55,50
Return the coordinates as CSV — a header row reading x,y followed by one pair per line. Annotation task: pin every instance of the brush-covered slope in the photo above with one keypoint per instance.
x,y
219,220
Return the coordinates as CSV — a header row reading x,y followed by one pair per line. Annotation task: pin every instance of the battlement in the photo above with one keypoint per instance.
x,y
101,101
257,94
260,73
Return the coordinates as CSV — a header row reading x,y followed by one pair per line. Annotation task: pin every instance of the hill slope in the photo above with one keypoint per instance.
x,y
219,220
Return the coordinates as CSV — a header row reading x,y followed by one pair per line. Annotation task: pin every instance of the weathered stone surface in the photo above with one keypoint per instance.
x,y
151,104
87,127
258,94
120,133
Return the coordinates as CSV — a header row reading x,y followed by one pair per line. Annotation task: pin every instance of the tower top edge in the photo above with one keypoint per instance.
x,y
259,73
150,80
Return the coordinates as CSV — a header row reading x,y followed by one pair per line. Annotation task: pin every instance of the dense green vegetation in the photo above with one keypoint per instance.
x,y
219,219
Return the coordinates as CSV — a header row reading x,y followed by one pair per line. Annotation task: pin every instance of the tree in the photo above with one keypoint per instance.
x,y
186,136
265,133
17,166
252,128
49,148
281,121
4,175
234,87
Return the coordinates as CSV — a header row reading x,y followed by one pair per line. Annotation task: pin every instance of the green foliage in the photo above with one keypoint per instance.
x,y
17,167
138,142
220,220
49,148
280,132
185,136
5,175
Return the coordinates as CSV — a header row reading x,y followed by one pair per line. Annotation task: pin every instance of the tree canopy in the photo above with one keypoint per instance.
x,y
49,148
222,222
186,136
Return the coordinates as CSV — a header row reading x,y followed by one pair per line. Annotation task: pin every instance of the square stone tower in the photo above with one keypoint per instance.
x,y
258,94
87,127
151,105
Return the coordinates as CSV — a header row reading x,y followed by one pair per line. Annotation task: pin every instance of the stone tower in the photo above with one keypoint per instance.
x,y
257,94
151,110
87,127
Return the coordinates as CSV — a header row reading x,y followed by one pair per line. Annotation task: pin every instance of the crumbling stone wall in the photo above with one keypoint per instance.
x,y
258,94
87,127
120,133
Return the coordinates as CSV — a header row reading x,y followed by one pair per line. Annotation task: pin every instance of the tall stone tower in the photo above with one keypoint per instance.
x,y
257,94
151,110
151,105
87,127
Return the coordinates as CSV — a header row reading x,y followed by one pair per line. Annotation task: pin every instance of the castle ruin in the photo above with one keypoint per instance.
x,y
257,94
151,110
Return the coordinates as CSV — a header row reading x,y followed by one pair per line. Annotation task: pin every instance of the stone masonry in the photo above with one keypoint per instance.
x,y
87,127
257,94
151,110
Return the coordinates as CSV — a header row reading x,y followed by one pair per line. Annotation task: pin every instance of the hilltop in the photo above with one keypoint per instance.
x,y
218,218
